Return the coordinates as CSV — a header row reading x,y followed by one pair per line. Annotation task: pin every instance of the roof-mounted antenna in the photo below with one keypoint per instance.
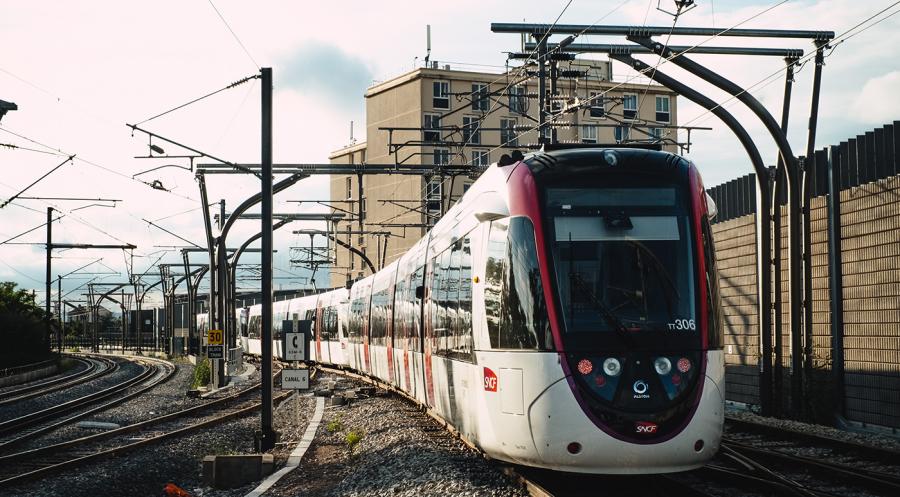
x,y
427,43
352,140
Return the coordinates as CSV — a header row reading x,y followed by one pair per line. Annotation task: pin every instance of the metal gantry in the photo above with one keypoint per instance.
x,y
642,39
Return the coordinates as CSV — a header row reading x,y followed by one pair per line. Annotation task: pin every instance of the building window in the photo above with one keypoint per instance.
x,y
441,156
662,109
433,199
622,133
480,97
517,101
349,182
480,158
656,134
508,133
598,105
629,106
440,95
471,133
432,123
589,134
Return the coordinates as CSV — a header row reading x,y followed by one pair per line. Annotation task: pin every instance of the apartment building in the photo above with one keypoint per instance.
x,y
443,115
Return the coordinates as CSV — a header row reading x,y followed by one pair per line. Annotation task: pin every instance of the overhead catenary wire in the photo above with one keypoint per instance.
x,y
81,158
839,39
553,120
220,90
48,173
233,34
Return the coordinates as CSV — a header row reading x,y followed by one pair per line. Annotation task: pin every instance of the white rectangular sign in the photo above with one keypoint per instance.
x,y
295,379
294,347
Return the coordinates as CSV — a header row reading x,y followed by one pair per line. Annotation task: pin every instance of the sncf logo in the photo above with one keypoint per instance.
x,y
645,428
490,380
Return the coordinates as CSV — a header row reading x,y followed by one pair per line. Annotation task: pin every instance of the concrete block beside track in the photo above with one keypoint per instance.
x,y
236,470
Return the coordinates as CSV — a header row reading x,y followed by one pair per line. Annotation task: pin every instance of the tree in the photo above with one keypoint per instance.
x,y
21,327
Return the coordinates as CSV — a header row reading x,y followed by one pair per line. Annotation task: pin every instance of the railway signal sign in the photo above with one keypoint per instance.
x,y
295,379
294,347
295,343
215,344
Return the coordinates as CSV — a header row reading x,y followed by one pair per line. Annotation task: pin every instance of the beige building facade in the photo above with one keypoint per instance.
x,y
439,115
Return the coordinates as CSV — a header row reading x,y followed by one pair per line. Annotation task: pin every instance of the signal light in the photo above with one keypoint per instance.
x,y
585,367
698,445
574,448
684,364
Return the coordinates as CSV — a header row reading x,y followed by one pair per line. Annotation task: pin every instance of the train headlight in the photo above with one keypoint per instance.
x,y
612,367
662,365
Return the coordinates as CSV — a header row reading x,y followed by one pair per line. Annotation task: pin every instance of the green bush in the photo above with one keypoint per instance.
x,y
202,374
335,424
352,439
22,327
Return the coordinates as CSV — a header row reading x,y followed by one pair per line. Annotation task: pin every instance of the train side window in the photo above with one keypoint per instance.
x,y
444,319
433,306
399,319
493,278
514,294
453,324
716,330
416,330
357,307
464,340
253,327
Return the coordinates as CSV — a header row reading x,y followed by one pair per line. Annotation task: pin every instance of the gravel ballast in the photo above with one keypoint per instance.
x,y
402,452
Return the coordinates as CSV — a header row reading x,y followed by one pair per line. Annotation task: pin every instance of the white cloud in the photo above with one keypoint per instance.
x,y
878,102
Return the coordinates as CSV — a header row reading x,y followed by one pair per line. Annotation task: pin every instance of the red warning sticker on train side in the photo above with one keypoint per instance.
x,y
490,380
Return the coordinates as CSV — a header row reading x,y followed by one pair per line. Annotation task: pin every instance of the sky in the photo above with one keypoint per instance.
x,y
79,71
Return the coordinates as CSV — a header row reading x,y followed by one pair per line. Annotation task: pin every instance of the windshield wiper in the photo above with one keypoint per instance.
x,y
607,315
661,274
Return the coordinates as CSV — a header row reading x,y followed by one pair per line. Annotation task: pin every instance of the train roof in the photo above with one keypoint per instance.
x,y
625,157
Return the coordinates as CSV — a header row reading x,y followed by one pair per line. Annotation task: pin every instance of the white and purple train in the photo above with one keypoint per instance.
x,y
564,314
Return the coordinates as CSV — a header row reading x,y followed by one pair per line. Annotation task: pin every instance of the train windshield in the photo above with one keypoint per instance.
x,y
624,266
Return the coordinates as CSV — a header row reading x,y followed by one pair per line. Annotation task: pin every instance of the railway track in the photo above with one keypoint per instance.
x,y
95,368
813,462
31,464
18,430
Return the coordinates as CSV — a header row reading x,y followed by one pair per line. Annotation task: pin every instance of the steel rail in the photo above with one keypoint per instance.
x,y
793,435
873,480
31,434
53,457
80,459
50,385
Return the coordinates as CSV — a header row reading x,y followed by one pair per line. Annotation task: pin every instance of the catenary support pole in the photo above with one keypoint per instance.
x,y
835,278
542,88
763,220
267,435
808,179
47,313
776,228
59,314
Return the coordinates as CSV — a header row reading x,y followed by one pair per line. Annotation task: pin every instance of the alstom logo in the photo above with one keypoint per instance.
x,y
645,428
